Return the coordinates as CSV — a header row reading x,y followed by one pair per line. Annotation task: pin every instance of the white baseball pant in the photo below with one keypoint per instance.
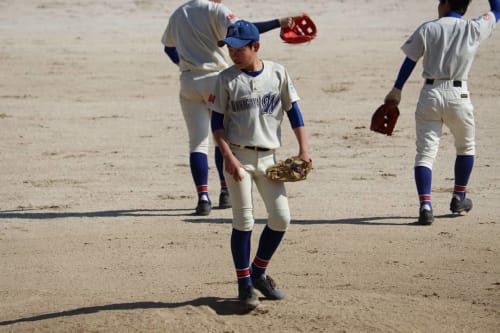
x,y
195,88
273,193
443,103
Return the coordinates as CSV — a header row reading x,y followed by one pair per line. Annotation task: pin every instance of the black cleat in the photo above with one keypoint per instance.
x,y
248,297
457,206
224,200
267,287
425,217
203,208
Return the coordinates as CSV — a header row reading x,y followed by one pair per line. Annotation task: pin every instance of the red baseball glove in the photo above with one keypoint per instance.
x,y
303,30
384,119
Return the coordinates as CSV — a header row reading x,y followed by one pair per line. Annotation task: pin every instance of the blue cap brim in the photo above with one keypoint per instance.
x,y
235,43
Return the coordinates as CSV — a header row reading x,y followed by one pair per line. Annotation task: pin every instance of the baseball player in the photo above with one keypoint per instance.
x,y
249,103
448,46
190,41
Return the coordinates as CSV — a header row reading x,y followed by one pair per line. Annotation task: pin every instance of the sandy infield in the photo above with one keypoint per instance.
x,y
96,198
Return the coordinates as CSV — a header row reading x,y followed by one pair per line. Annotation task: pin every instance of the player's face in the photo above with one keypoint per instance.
x,y
245,57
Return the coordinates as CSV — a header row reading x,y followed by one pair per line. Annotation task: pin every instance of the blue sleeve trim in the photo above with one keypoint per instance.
x,y
404,73
495,8
172,54
217,121
267,25
295,116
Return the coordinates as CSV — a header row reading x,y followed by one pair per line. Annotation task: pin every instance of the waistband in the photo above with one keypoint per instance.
x,y
456,83
250,147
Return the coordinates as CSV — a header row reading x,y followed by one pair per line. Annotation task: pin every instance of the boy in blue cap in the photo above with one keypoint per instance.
x,y
248,105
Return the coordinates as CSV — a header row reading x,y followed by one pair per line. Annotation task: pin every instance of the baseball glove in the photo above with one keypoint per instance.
x,y
290,170
303,30
384,119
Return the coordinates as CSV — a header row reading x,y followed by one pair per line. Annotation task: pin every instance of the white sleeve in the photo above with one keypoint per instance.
x,y
414,46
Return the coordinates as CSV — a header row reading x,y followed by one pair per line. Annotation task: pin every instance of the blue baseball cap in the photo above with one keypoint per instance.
x,y
239,34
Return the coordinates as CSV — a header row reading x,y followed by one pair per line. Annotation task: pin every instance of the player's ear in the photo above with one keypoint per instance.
x,y
256,46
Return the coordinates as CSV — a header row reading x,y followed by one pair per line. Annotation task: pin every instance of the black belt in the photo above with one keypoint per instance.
x,y
256,148
251,147
455,83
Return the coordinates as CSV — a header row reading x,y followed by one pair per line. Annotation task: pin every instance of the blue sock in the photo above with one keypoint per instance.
x,y
240,249
463,170
219,163
423,180
199,170
268,243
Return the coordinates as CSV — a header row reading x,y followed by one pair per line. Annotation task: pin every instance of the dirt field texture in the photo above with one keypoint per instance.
x,y
97,232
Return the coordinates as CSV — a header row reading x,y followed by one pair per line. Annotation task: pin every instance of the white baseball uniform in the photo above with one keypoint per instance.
x,y
448,46
194,29
253,108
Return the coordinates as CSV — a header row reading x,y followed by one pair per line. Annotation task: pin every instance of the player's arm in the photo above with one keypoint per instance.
x,y
297,123
231,163
265,26
394,96
495,8
171,51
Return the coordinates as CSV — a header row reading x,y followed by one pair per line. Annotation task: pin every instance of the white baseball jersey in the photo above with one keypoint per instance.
x,y
448,58
253,107
194,29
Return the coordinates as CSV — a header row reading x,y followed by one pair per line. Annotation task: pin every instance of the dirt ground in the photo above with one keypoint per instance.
x,y
96,198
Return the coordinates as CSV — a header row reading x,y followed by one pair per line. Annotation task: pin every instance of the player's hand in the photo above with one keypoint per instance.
x,y
393,97
304,156
234,167
286,22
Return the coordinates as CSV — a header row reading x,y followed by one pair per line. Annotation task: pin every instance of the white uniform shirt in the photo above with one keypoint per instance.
x,y
448,45
253,107
194,29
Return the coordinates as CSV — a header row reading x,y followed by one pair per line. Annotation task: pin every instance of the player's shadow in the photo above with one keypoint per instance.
x,y
33,214
368,221
221,306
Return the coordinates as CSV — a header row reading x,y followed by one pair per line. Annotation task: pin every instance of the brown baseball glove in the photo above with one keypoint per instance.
x,y
384,119
303,30
290,170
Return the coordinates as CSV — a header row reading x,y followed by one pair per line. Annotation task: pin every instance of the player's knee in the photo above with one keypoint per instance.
x,y
243,219
466,150
422,160
199,147
279,220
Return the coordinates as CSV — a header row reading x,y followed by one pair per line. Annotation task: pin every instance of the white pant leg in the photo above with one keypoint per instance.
x,y
195,89
458,116
428,126
273,193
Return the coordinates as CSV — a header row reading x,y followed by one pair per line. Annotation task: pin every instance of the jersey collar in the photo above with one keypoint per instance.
x,y
454,14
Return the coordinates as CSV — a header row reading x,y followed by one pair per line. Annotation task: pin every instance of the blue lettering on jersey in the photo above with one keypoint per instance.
x,y
269,102
266,103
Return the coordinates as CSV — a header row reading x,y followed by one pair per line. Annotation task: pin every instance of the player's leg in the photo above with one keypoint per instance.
x,y
206,83
428,126
243,222
460,119
224,198
276,201
196,117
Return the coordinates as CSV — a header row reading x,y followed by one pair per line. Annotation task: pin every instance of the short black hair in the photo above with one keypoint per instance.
x,y
459,6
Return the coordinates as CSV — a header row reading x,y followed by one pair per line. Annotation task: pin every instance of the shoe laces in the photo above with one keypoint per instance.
x,y
270,281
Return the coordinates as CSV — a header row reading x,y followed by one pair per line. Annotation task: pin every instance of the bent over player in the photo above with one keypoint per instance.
x,y
190,41
448,46
249,104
